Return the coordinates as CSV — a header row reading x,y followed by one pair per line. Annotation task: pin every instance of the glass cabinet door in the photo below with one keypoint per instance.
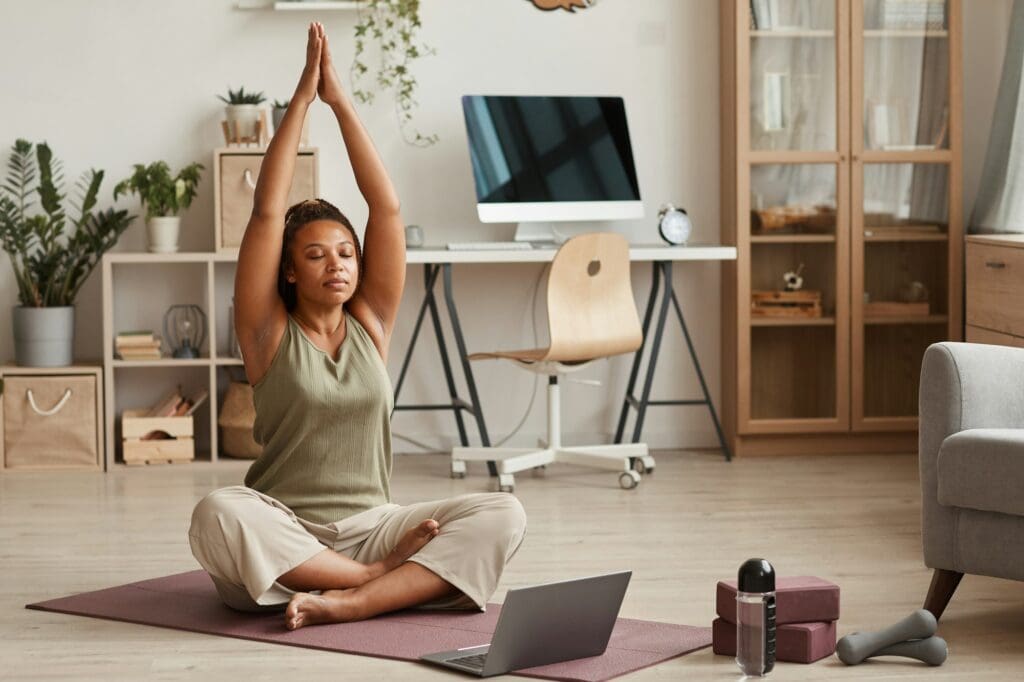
x,y
793,67
905,55
797,307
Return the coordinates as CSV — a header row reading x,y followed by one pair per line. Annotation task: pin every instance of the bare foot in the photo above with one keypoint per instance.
x,y
312,609
410,543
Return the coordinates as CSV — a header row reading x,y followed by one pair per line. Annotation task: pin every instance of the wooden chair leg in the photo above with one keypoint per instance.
x,y
944,584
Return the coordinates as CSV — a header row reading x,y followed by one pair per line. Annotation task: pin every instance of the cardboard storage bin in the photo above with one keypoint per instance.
x,y
49,421
180,447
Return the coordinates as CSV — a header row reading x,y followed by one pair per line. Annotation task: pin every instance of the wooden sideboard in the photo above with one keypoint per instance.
x,y
995,289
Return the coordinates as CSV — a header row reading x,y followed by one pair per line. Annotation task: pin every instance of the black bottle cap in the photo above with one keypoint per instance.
x,y
756,575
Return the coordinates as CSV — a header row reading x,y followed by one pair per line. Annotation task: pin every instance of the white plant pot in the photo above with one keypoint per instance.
x,y
162,233
242,119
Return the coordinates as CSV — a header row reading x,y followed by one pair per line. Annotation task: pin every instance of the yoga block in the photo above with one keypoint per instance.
x,y
799,599
794,643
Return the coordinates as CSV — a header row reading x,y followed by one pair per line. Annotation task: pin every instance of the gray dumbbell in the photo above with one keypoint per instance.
x,y
931,650
854,648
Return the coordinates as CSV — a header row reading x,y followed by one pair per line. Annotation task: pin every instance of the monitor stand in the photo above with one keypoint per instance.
x,y
540,232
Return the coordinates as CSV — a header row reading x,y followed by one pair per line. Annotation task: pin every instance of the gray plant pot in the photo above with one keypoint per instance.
x,y
44,337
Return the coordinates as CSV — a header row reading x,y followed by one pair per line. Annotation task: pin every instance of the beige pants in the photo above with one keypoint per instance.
x,y
245,540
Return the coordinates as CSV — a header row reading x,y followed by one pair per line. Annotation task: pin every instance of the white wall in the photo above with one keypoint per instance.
x,y
109,83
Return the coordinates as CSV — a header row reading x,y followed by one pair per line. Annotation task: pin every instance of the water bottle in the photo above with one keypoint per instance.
x,y
755,617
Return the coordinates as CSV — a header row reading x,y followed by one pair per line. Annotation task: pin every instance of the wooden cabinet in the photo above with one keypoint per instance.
x,y
995,289
841,163
235,172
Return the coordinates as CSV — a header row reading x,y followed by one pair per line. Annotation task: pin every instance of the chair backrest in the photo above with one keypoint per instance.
x,y
591,311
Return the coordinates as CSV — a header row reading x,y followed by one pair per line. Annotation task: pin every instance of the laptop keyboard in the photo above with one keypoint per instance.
x,y
474,661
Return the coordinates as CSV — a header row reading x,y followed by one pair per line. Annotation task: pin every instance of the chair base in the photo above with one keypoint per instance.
x,y
631,459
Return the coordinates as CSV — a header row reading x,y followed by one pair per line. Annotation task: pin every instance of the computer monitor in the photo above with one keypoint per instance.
x,y
540,160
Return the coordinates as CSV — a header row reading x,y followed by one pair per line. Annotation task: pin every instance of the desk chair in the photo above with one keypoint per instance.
x,y
591,315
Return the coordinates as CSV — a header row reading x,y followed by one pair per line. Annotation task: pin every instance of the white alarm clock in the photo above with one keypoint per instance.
x,y
674,225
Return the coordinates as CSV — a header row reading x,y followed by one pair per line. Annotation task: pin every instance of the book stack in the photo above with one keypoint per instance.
x,y
174,405
920,14
137,345
806,611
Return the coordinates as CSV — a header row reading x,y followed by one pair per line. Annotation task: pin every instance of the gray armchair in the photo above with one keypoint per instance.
x,y
971,455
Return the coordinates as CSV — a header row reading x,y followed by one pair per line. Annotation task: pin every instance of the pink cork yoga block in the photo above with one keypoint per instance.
x,y
800,599
794,643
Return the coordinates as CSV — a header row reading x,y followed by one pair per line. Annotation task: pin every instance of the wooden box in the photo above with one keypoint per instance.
x,y
785,303
50,418
134,426
235,171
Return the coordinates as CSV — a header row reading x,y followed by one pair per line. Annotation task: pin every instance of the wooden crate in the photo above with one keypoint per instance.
x,y
179,448
785,303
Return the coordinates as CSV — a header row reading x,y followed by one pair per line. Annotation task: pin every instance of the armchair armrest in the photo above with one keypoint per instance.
x,y
963,386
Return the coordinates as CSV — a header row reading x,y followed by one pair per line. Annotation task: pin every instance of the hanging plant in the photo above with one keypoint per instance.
x,y
393,25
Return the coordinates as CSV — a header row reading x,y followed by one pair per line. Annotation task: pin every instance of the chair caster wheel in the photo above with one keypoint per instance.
x,y
458,469
506,483
644,465
541,470
629,480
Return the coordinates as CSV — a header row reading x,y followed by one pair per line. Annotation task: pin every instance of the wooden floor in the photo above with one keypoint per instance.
x,y
851,519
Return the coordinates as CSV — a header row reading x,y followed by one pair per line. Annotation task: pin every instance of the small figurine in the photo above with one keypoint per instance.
x,y
794,282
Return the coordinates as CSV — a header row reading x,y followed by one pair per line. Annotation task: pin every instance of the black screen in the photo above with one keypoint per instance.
x,y
537,149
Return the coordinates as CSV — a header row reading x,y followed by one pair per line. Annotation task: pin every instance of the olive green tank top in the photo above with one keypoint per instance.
x,y
325,426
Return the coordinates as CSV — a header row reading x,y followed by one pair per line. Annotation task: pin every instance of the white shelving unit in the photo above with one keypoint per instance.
x,y
155,281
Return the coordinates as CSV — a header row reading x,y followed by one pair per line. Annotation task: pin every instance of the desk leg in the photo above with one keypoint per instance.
x,y
651,298
668,296
700,375
430,273
641,409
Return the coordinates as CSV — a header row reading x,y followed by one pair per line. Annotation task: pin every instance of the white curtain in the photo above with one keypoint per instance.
x,y
1000,202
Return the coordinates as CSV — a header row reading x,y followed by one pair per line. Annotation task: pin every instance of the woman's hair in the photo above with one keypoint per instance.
x,y
297,217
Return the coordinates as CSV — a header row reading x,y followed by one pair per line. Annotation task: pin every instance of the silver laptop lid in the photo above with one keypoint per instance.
x,y
556,622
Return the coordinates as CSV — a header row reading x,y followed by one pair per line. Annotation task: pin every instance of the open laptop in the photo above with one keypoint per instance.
x,y
545,624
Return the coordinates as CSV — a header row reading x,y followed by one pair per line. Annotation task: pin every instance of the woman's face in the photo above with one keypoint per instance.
x,y
324,268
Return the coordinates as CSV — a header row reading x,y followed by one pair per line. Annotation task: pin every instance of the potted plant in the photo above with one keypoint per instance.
x,y
163,196
393,24
243,111
277,114
50,264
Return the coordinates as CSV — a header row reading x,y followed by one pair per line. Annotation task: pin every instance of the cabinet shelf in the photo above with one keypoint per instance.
x,y
907,319
792,238
906,33
792,33
875,234
162,362
792,321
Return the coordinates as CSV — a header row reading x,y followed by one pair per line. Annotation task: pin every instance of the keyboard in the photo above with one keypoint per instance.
x,y
489,246
475,661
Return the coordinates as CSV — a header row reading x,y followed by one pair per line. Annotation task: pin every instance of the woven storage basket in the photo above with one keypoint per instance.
x,y
237,415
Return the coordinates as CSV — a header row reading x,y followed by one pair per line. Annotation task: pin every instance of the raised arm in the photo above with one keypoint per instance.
x,y
260,316
383,274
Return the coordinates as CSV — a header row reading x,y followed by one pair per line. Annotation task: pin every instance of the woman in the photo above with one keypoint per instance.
x,y
313,527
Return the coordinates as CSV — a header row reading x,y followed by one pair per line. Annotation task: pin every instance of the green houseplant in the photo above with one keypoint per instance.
x,y
393,24
163,196
242,111
51,263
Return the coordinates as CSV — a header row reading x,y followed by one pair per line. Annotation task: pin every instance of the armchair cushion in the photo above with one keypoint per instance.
x,y
983,469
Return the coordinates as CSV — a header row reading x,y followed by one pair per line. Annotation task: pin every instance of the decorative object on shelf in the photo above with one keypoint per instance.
x,y
246,120
163,197
674,225
797,218
793,280
785,303
914,292
413,236
137,345
234,349
277,113
237,416
50,265
775,101
185,329
394,25
568,5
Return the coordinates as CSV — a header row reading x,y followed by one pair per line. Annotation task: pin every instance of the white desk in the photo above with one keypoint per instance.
x,y
438,260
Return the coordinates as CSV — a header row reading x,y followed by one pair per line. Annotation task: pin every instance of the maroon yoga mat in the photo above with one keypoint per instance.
x,y
189,601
